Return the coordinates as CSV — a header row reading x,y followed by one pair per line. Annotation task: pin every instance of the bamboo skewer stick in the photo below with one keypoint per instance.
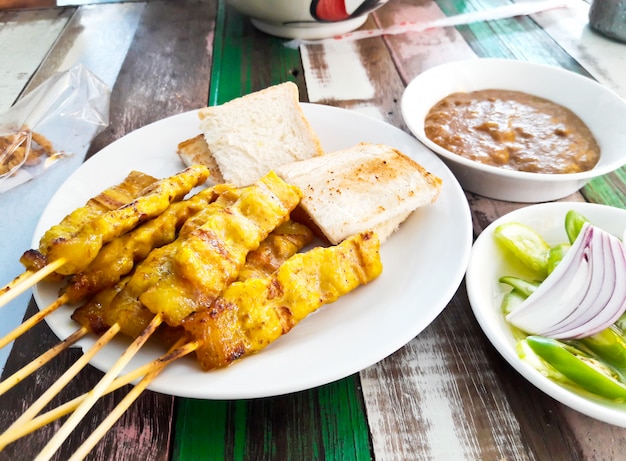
x,y
31,321
44,358
55,442
45,398
177,351
112,417
27,280
117,412
17,280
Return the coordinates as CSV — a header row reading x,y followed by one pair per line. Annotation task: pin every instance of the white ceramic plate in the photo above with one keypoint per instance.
x,y
603,111
424,263
487,264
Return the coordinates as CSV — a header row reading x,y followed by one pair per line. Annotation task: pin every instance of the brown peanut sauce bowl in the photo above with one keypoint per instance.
x,y
599,108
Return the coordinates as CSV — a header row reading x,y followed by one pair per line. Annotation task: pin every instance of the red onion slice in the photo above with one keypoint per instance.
x,y
585,294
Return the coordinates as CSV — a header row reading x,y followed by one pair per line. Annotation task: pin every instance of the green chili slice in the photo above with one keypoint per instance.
x,y
579,367
574,222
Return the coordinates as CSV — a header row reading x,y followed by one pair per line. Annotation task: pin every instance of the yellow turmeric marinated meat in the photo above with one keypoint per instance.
x,y
92,314
110,199
156,265
100,313
81,249
118,257
285,241
211,256
251,314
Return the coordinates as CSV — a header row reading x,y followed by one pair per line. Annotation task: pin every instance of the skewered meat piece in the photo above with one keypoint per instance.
x,y
210,257
118,257
81,249
110,199
285,241
91,314
250,315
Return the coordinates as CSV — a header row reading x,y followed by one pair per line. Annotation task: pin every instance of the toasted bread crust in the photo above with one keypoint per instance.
x,y
364,187
195,151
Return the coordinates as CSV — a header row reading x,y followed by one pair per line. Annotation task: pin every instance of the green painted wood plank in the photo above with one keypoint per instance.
x,y
328,422
609,189
240,56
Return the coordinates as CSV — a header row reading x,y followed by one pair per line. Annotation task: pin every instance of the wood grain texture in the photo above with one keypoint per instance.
x,y
359,76
327,422
97,37
167,68
134,437
248,60
448,393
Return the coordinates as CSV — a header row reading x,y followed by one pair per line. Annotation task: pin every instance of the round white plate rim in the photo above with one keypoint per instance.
x,y
243,379
492,322
461,67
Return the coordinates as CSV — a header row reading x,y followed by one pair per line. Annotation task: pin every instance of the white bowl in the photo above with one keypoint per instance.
x,y
600,109
487,264
307,19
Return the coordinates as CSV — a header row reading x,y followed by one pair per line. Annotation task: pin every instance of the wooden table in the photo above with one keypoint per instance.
x,y
447,394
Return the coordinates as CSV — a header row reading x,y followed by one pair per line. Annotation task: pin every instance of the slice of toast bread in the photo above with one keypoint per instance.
x,y
256,133
364,187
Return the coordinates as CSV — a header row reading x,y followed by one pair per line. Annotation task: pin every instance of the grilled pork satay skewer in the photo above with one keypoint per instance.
x,y
229,229
114,261
118,257
250,315
97,314
80,250
210,257
238,226
110,199
83,246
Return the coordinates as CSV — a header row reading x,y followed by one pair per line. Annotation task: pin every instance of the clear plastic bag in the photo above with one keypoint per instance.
x,y
57,119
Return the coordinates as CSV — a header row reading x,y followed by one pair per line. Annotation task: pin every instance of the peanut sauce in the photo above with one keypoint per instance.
x,y
512,130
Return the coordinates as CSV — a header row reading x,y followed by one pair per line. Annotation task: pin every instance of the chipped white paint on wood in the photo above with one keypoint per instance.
x,y
23,45
420,51
416,396
603,58
338,73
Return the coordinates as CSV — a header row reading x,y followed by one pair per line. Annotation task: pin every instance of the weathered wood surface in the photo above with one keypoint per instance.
x,y
145,89
447,394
